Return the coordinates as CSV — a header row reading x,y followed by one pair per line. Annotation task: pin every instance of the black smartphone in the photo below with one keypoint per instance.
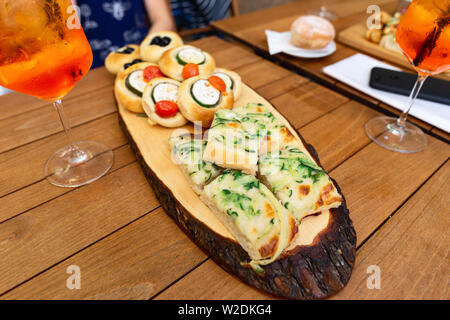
x,y
433,89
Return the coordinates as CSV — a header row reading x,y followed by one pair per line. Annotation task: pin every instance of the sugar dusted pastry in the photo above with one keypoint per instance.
x,y
312,32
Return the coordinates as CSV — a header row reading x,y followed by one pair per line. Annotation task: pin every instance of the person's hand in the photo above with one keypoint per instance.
x,y
160,15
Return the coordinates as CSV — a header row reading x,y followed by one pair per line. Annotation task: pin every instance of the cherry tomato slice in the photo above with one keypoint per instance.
x,y
218,83
190,70
166,108
152,72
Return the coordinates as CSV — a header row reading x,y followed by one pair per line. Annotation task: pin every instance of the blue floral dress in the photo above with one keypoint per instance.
x,y
111,24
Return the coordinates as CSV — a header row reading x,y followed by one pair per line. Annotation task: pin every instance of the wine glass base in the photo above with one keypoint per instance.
x,y
69,168
387,133
324,13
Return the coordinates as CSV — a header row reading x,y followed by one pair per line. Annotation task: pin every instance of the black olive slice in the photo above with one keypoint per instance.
x,y
129,64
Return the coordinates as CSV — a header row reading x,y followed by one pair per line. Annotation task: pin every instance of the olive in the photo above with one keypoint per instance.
x,y
127,50
160,41
129,64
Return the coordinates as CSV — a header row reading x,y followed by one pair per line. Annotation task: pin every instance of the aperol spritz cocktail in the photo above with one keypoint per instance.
x,y
44,53
424,37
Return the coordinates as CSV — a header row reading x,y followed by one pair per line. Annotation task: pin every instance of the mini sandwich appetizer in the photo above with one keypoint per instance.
x,y
156,43
187,152
200,97
231,79
160,103
258,121
300,184
229,146
130,83
185,62
116,60
254,216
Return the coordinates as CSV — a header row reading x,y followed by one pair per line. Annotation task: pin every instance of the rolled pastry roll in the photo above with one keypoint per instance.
x,y
186,61
130,83
200,97
156,43
116,60
231,79
160,103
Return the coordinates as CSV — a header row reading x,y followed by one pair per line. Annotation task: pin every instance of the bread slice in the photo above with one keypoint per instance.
x,y
261,225
301,185
259,121
229,146
187,152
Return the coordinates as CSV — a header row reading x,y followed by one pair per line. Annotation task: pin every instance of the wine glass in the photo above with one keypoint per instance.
x,y
44,53
424,37
324,13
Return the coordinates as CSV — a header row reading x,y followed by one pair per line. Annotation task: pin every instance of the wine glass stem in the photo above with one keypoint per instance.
x,y
76,155
412,98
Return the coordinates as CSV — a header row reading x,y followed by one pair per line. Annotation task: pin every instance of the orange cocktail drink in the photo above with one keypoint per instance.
x,y
44,53
39,54
424,35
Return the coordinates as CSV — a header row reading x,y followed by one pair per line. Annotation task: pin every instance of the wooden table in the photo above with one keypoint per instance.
x,y
127,247
249,29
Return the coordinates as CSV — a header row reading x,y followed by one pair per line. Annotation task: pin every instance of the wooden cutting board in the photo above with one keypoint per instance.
x,y
354,36
317,264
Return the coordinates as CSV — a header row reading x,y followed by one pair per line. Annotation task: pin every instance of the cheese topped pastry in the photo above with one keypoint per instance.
x,y
261,225
229,145
188,153
258,121
300,184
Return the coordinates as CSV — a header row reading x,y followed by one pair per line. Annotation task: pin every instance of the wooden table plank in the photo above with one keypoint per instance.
x,y
411,249
339,134
42,191
33,156
42,237
134,263
15,104
37,124
377,181
442,134
281,86
307,103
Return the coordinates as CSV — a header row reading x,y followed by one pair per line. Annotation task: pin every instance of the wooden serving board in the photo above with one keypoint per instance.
x,y
354,36
316,265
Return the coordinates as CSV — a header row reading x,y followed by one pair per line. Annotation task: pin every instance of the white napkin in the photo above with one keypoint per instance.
x,y
355,71
278,41
281,42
